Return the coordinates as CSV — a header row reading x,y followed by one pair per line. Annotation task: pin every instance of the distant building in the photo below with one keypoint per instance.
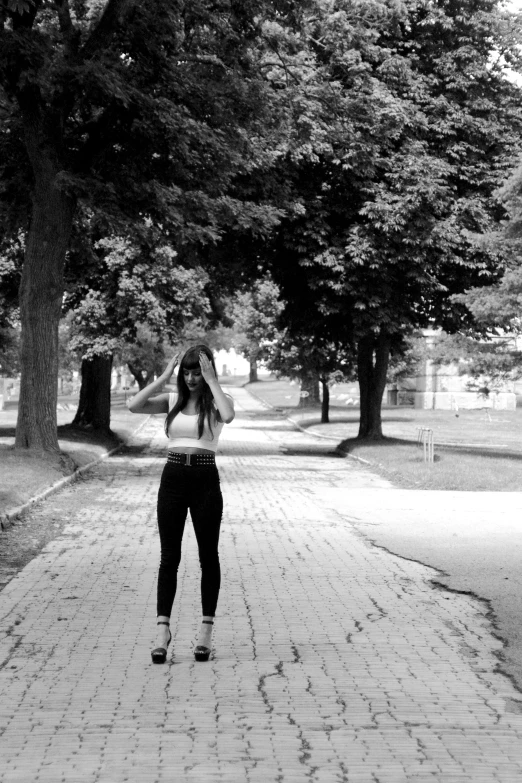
x,y
231,363
443,387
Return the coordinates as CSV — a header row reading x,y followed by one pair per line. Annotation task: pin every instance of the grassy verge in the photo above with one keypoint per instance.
x,y
24,475
473,452
470,470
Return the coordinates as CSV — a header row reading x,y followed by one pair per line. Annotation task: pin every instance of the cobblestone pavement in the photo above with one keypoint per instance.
x,y
334,661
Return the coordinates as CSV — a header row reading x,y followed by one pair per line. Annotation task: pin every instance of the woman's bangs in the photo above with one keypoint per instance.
x,y
190,361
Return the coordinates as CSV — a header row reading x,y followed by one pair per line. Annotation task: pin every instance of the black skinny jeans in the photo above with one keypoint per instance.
x,y
184,488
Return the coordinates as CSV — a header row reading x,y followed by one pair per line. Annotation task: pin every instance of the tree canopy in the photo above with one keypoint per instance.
x,y
413,128
132,111
352,149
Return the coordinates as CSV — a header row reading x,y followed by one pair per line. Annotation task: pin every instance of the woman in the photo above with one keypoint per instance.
x,y
190,481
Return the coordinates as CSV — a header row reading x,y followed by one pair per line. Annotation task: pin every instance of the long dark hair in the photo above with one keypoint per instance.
x,y
205,407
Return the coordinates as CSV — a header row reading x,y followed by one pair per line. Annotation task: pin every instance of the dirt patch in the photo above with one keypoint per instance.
x,y
25,538
25,475
28,534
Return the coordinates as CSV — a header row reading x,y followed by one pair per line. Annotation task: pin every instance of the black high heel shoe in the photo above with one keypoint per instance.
x,y
159,655
202,653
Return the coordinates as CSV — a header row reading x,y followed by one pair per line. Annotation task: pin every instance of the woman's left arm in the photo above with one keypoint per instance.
x,y
223,402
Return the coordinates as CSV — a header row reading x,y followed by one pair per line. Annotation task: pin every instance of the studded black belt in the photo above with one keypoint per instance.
x,y
191,460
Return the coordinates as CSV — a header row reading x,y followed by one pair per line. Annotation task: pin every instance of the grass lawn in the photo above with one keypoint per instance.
x,y
472,451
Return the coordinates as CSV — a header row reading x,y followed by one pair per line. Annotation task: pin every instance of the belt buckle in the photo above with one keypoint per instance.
x,y
187,459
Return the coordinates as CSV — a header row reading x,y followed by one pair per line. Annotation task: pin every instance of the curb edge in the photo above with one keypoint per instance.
x,y
7,517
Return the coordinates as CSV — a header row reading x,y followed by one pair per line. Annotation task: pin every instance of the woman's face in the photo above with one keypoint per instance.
x,y
193,379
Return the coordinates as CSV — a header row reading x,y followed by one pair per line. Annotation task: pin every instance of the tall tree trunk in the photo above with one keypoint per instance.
x,y
325,404
373,353
310,384
94,406
40,298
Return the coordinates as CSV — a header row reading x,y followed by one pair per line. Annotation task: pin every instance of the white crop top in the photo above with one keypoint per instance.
x,y
183,430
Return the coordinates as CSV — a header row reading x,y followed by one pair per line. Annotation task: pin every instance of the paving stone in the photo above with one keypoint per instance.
x,y
334,661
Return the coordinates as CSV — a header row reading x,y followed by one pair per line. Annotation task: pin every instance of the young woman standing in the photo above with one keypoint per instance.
x,y
190,481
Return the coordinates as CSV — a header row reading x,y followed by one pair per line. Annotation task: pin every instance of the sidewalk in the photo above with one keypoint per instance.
x,y
335,661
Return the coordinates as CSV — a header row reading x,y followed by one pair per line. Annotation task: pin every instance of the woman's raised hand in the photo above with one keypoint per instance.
x,y
169,369
207,371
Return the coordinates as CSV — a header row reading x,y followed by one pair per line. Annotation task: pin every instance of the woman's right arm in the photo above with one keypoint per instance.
x,y
145,402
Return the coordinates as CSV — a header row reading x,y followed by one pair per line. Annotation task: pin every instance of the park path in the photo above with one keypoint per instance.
x,y
335,661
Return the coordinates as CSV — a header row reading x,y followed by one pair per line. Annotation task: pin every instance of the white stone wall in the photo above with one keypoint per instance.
x,y
446,400
443,387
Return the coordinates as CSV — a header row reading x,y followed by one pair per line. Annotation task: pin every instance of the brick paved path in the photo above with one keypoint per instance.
x,y
335,661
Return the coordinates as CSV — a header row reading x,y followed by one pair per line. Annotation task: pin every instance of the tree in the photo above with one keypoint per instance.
x,y
255,314
439,190
145,356
134,110
312,360
424,125
347,125
130,294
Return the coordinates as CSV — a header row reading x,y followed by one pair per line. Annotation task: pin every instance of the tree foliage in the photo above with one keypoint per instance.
x,y
255,313
130,111
351,148
313,360
130,287
497,307
412,125
145,355
490,363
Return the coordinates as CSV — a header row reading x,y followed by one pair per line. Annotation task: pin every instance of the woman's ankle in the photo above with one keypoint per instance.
x,y
163,628
205,631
